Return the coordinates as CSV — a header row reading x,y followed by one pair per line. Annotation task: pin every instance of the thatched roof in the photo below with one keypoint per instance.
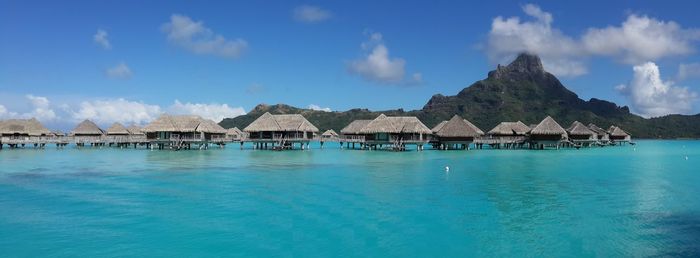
x,y
57,133
87,127
396,124
510,128
330,133
548,127
355,126
577,128
596,129
278,123
163,123
439,126
457,127
30,127
135,130
209,126
476,129
183,124
117,129
617,131
234,131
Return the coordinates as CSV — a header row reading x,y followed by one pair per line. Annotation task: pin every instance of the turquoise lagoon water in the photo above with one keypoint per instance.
x,y
615,201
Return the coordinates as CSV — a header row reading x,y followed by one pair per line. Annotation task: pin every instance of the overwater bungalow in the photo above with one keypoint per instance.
x,y
580,135
329,135
20,132
547,133
117,129
235,134
506,134
136,131
122,136
351,133
456,133
280,131
617,135
87,132
601,135
183,131
394,132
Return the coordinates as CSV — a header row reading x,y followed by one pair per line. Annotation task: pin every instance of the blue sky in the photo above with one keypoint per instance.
x,y
128,61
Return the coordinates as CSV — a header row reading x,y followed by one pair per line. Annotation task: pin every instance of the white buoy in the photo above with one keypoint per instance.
x,y
447,169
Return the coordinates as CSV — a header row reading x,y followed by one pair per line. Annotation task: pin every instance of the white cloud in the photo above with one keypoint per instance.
x,y
641,38
378,66
318,108
637,39
120,110
216,112
195,37
101,38
310,14
120,71
40,109
3,111
560,53
686,71
652,97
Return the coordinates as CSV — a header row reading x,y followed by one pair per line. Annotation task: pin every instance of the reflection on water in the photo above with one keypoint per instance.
x,y
122,202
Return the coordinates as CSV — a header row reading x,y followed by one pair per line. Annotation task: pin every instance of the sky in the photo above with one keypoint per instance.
x,y
130,61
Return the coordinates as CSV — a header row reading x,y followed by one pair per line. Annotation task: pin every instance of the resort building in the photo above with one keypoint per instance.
x,y
121,136
617,135
235,134
19,132
601,135
329,135
182,131
392,132
136,132
280,131
117,134
506,134
547,133
456,133
351,133
580,135
87,132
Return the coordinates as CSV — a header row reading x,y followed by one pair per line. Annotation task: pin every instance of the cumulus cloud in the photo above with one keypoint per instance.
x,y
641,38
101,39
650,96
508,37
637,39
686,71
318,108
40,108
216,112
195,37
120,110
3,111
120,71
310,14
377,65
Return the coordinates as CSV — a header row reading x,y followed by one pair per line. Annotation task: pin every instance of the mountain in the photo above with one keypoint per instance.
x,y
522,90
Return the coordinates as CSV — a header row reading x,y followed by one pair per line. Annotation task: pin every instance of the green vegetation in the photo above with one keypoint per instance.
x,y
520,91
